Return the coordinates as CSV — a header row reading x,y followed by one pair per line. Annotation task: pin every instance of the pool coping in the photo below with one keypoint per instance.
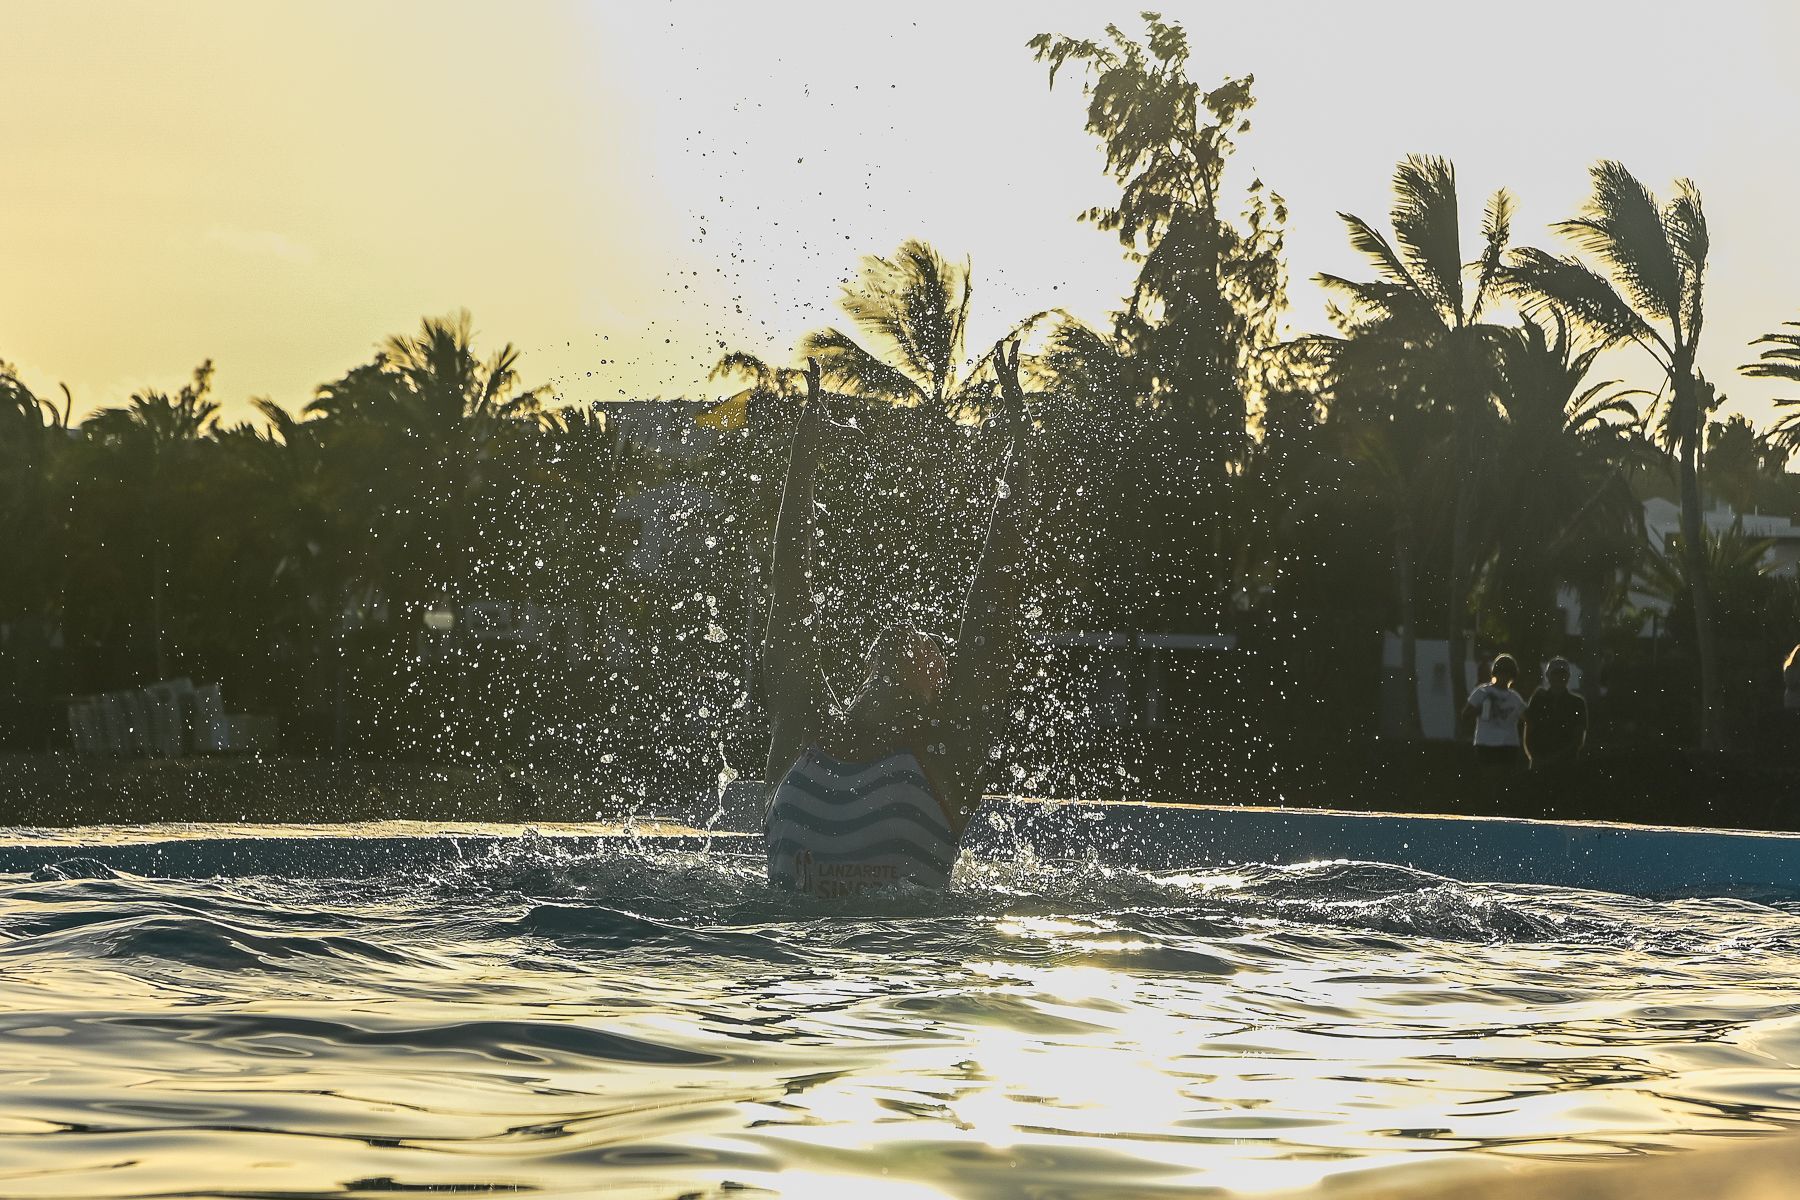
x,y
1649,860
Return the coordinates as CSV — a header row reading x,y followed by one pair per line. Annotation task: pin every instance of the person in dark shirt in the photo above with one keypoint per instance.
x,y
1556,719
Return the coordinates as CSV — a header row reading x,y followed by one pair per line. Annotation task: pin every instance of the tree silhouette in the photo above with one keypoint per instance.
x,y
910,314
1190,345
34,520
1208,293
1744,466
1421,312
1562,510
429,422
1656,259
158,433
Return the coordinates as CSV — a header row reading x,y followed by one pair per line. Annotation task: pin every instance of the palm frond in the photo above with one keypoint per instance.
x,y
1367,241
742,365
1496,232
1538,277
915,304
1090,370
1376,304
1427,227
847,366
1730,554
1785,432
1781,360
1621,226
1685,220
281,422
1591,408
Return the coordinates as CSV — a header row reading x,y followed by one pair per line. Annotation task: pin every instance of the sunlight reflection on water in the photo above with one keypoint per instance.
x,y
658,1023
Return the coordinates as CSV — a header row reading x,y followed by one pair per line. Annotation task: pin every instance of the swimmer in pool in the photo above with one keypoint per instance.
x,y
880,792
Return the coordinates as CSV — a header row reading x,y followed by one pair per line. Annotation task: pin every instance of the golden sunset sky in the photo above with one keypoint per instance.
x,y
621,189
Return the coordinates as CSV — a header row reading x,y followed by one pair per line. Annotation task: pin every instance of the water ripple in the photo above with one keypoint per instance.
x,y
658,1024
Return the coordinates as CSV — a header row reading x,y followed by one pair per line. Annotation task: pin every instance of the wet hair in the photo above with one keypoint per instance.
x,y
1505,669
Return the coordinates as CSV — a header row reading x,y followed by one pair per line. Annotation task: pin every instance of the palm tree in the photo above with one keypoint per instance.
x,y
312,541
160,432
1421,311
910,317
426,421
1781,361
1744,466
1209,292
1738,569
34,436
1655,256
1093,376
1564,457
30,427
1390,453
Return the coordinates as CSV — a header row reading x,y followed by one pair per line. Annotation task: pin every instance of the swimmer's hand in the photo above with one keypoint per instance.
x,y
809,431
1012,395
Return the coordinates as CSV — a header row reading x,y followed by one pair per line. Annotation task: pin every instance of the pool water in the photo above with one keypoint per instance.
x,y
636,1022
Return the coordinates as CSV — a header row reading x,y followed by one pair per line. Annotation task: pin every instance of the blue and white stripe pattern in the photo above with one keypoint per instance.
x,y
838,828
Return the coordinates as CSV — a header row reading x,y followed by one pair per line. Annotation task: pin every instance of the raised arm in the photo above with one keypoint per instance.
x,y
988,641
790,644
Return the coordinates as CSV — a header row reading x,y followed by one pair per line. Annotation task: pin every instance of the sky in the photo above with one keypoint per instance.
x,y
625,190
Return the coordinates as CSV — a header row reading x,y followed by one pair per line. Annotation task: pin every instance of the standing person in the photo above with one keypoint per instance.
x,y
881,792
1556,720
1497,708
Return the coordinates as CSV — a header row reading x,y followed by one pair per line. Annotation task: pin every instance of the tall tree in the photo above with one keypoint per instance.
x,y
34,450
32,432
1647,288
1392,451
910,316
912,312
1209,292
1744,467
1562,509
1424,311
1188,346
426,424
159,433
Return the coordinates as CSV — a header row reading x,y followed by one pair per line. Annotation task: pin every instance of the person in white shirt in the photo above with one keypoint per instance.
x,y
1497,709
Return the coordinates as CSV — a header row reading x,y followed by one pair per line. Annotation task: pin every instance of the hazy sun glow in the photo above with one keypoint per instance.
x,y
624,190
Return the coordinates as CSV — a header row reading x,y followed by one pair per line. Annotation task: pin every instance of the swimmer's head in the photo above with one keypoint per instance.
x,y
905,662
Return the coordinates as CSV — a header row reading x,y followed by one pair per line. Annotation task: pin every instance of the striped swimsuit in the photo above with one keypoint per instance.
x,y
838,828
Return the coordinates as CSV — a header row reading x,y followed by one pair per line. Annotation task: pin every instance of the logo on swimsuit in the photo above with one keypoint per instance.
x,y
837,880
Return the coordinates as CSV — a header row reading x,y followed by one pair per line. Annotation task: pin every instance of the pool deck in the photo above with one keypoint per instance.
x,y
1647,860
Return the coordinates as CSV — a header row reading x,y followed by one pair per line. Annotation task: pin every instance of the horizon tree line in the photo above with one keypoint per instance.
x,y
1429,461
